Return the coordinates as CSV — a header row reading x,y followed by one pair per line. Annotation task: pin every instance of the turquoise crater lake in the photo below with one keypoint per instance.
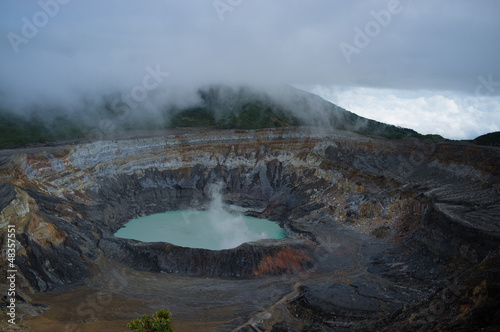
x,y
213,230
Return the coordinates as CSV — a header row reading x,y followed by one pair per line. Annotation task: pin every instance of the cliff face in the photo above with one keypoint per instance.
x,y
66,202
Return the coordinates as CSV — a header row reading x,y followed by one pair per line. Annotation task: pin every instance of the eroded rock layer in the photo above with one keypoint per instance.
x,y
409,214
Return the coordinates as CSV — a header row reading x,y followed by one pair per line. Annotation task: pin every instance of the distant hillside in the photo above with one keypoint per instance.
x,y
220,106
240,108
491,139
247,108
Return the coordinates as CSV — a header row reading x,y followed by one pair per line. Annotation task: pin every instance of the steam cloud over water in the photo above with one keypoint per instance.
x,y
231,227
213,229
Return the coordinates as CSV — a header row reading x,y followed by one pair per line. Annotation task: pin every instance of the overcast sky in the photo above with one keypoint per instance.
x,y
429,65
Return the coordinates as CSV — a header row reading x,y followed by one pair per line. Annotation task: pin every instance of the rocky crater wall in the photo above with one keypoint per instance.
x,y
67,201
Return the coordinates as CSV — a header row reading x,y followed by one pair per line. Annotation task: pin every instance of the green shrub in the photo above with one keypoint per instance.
x,y
160,321
491,139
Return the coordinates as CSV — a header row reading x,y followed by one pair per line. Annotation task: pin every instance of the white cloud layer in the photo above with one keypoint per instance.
x,y
451,115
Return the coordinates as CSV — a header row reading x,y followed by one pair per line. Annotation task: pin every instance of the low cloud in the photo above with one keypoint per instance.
x,y
448,114
88,49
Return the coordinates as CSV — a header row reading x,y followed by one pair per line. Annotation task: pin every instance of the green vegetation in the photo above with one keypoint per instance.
x,y
160,321
254,116
433,138
193,117
250,116
395,132
490,139
16,130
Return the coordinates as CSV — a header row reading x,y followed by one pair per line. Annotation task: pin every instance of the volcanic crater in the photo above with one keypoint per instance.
x,y
379,231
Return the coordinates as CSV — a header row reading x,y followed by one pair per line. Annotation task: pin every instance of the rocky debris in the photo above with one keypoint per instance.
x,y
466,298
347,306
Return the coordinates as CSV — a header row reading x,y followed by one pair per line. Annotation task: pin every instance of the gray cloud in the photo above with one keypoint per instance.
x,y
96,47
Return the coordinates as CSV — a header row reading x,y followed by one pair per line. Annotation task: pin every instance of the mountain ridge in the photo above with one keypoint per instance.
x,y
218,105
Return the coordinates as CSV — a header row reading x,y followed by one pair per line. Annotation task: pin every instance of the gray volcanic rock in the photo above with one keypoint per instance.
x,y
7,194
241,262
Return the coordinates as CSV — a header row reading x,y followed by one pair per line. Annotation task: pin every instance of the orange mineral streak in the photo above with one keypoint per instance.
x,y
285,260
44,232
